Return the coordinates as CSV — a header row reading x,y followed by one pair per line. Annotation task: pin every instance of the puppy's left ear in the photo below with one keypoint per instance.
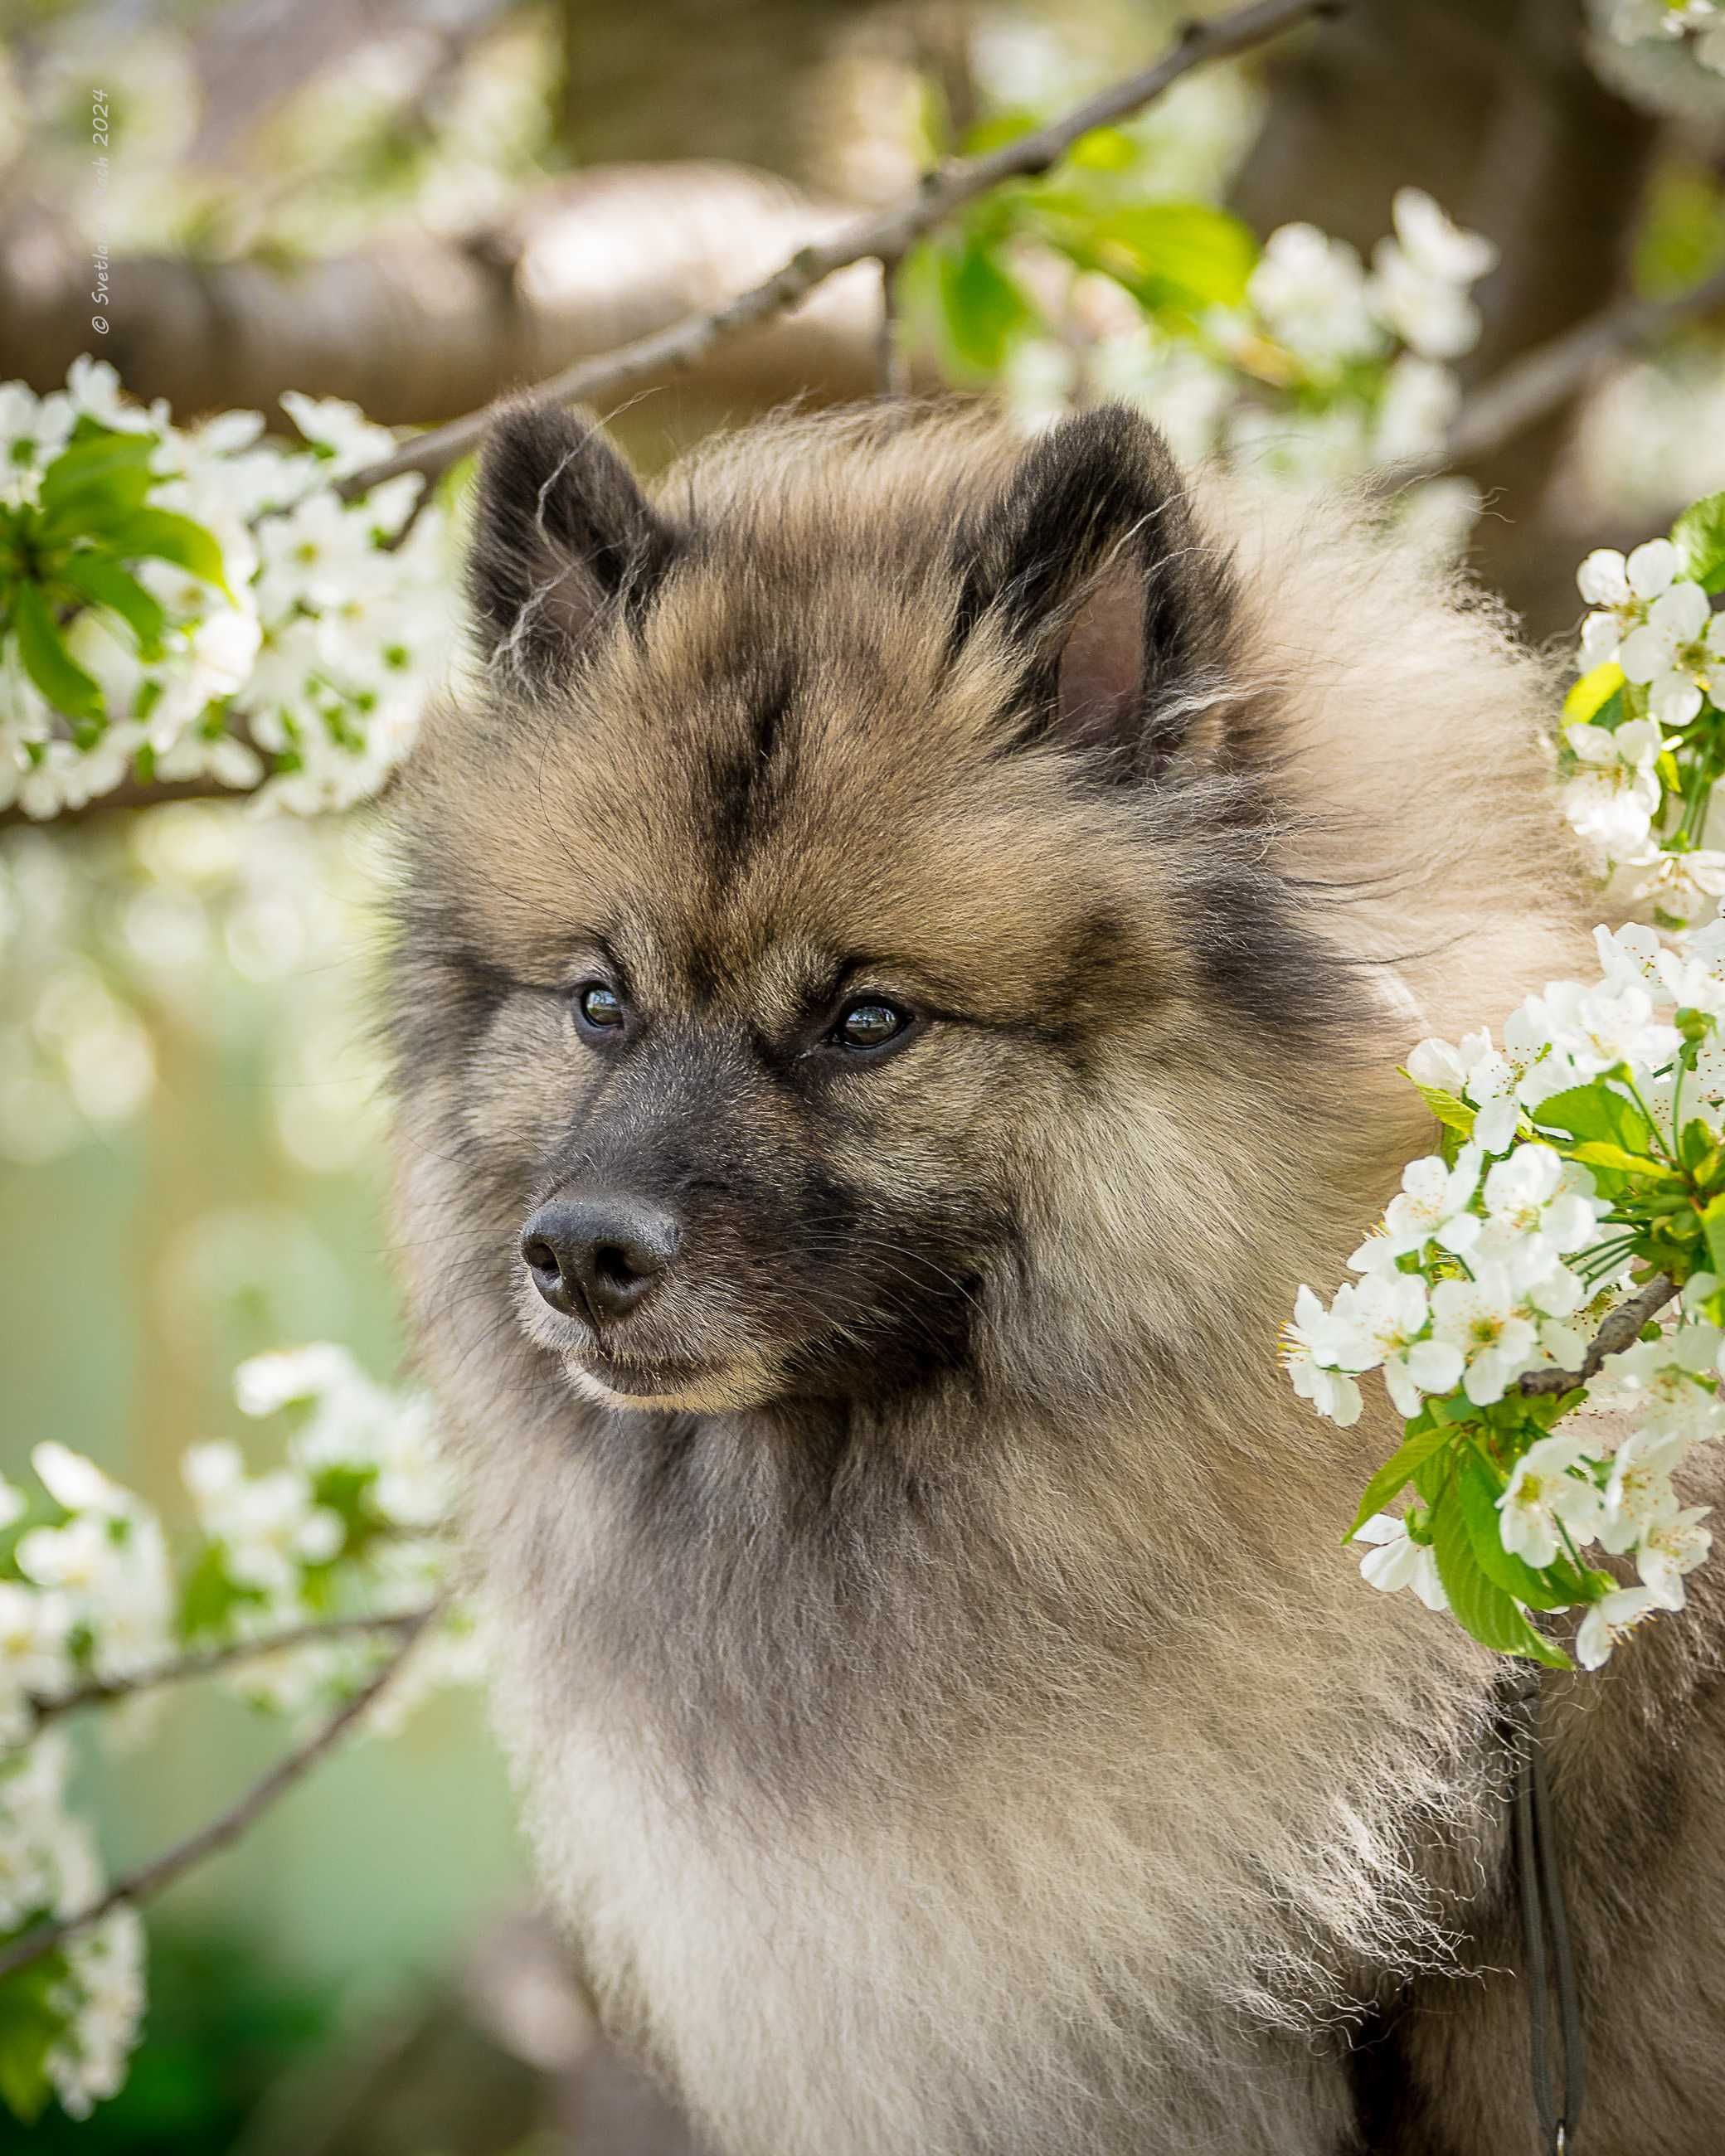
x,y
1114,610
563,539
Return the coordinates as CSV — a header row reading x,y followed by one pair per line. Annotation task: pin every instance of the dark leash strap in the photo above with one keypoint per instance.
x,y
1544,1924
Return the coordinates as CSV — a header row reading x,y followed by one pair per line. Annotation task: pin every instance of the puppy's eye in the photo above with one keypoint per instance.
x,y
870,1022
598,1008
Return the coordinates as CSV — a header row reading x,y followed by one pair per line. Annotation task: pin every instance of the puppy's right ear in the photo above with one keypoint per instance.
x,y
563,537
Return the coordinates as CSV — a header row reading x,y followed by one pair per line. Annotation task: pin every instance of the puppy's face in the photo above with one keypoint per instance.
x,y
773,927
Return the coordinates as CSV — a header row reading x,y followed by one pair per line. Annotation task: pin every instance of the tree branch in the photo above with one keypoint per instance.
x,y
893,372
183,1669
161,1871
1543,379
1620,1330
883,237
413,324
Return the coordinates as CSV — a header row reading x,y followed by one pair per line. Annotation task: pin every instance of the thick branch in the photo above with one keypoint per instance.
x,y
1620,1330
161,1871
884,237
325,1632
415,324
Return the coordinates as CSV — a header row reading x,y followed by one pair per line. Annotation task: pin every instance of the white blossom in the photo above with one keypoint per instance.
x,y
1398,1561
1671,1385
323,648
1638,1496
35,1660
78,1484
1598,1029
1490,1325
1546,1495
1538,1210
109,1560
1630,958
1683,885
269,1527
1497,1082
1419,278
1312,1348
1673,1546
1622,588
1613,797
33,430
1420,401
1311,292
267,1384
102,1999
1432,1204
1380,1322
352,440
1606,1622
93,388
1676,653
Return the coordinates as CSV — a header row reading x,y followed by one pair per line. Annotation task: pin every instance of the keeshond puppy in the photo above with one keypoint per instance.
x,y
902,959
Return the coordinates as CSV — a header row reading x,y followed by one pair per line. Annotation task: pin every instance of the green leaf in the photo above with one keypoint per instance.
x,y
1453,1112
1104,150
1189,256
997,130
1598,1112
347,1492
100,577
1699,535
1398,1470
1712,1223
29,2029
107,469
1586,703
1481,1607
982,308
158,533
209,1598
1597,1153
1696,1148
48,662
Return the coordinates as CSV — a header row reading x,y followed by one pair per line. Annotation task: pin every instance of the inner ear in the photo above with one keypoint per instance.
x,y
563,538
1090,568
1099,676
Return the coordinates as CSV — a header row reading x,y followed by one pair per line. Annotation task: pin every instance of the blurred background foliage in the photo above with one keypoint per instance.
x,y
418,207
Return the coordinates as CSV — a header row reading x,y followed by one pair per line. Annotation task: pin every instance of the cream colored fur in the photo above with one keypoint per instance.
x,y
1138,1828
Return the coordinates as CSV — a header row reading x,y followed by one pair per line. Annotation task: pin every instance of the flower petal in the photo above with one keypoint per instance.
x,y
1651,568
1603,579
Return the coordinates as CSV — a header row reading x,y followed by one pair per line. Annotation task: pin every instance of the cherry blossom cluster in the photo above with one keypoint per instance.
x,y
1582,1160
86,1999
202,603
1644,733
1331,366
1362,359
296,1579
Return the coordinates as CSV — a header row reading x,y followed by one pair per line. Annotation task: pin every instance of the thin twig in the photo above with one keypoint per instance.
x,y
150,1879
883,236
1529,389
1620,1330
186,1667
892,371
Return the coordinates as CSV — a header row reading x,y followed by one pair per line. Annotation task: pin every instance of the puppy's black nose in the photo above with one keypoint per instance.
x,y
597,1257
